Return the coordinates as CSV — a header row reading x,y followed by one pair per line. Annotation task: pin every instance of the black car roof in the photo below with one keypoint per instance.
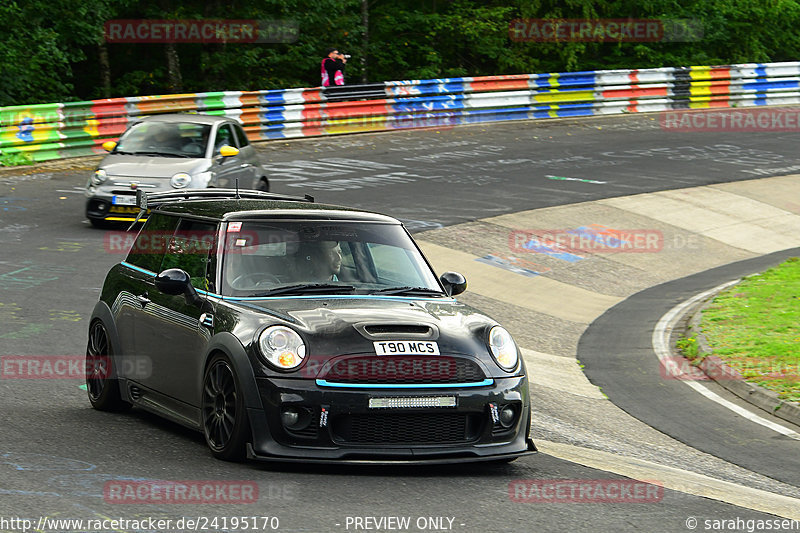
x,y
250,209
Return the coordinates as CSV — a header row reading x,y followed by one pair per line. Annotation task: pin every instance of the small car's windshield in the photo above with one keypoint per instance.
x,y
165,139
290,257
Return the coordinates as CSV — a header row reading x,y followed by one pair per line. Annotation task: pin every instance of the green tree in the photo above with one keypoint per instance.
x,y
40,41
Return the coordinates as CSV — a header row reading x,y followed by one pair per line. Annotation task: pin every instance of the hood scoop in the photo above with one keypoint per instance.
x,y
397,331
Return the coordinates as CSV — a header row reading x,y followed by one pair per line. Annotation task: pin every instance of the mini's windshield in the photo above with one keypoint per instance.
x,y
289,257
165,139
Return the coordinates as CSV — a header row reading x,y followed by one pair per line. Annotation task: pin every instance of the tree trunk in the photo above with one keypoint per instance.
x,y
105,69
174,79
365,40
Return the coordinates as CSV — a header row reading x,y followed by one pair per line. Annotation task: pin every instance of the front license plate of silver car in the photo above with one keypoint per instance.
x,y
123,200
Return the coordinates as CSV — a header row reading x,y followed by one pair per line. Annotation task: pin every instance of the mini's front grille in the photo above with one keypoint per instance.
x,y
407,428
404,369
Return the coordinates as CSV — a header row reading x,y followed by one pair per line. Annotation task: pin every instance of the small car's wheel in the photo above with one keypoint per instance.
x,y
100,223
263,185
101,383
225,423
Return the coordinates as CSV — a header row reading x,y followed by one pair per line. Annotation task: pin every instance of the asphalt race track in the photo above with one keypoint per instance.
x,y
57,454
620,365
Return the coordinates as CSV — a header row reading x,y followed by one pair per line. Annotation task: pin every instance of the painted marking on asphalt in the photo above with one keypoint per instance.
x,y
582,180
660,340
514,264
676,479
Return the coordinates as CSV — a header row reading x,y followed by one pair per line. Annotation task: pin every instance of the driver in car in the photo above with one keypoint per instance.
x,y
320,261
164,136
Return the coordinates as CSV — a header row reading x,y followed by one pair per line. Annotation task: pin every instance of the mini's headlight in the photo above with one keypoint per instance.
x,y
99,177
282,347
180,180
503,348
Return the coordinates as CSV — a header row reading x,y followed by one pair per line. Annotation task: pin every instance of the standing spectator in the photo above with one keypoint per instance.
x,y
332,68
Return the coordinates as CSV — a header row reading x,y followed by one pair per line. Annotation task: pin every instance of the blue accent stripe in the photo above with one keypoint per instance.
x,y
138,269
325,383
334,296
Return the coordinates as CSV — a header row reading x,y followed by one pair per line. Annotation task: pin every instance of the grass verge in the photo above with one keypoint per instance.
x,y
755,328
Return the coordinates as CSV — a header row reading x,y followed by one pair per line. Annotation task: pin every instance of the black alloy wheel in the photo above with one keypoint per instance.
x,y
225,423
101,383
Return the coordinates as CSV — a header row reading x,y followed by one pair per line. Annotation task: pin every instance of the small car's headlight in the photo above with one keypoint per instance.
x,y
503,348
282,347
180,180
202,179
99,177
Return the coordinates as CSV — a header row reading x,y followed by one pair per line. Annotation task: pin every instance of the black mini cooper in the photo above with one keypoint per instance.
x,y
293,331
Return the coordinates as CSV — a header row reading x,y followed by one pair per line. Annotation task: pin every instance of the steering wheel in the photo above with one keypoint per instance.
x,y
256,280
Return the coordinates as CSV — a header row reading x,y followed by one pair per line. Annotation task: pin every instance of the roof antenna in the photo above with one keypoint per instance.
x,y
237,190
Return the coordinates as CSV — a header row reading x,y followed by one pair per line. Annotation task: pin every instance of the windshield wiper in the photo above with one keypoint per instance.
x,y
309,288
409,290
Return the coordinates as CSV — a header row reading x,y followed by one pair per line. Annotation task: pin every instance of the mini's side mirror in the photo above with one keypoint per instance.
x,y
453,283
175,281
109,146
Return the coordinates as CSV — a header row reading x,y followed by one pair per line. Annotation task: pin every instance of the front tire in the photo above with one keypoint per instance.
x,y
101,383
225,424
100,223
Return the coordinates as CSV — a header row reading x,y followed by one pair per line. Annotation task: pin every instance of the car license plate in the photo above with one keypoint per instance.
x,y
406,347
412,402
123,200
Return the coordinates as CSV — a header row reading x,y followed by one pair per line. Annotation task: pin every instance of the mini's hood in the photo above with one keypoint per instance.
x,y
334,326
141,166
